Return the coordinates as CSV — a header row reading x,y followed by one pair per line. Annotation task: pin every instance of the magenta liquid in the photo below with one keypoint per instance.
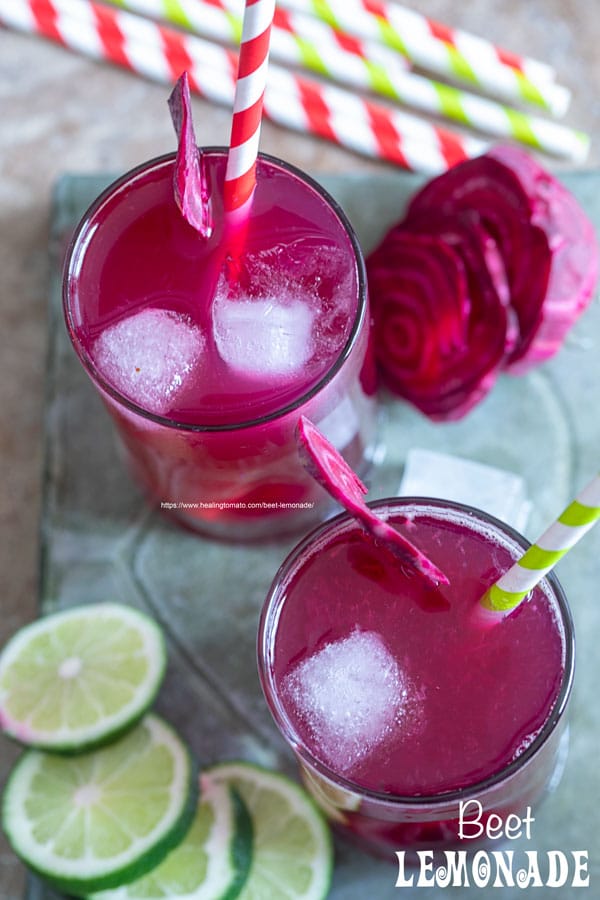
x,y
388,692
206,363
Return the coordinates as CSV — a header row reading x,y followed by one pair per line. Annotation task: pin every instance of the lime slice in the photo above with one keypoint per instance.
x,y
292,857
101,819
212,861
75,679
330,798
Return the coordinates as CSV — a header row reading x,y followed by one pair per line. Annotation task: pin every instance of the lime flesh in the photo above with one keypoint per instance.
x,y
103,818
212,861
292,856
78,678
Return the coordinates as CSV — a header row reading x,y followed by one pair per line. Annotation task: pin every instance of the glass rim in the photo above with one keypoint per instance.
x,y
268,624
86,359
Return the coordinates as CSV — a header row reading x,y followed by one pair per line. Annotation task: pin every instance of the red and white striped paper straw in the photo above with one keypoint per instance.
x,y
298,103
251,80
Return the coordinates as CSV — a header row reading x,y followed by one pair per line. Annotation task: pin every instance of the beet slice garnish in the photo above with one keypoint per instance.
x,y
189,181
574,257
330,469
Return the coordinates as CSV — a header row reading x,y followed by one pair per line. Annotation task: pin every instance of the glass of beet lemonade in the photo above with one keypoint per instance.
x,y
401,707
206,364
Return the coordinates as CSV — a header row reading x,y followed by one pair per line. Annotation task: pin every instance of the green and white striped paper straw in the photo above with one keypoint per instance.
x,y
541,557
454,55
296,39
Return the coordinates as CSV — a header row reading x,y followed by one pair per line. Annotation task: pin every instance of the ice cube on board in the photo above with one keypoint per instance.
x,y
498,492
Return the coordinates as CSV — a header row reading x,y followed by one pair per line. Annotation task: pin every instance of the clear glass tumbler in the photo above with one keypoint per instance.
x,y
234,474
505,689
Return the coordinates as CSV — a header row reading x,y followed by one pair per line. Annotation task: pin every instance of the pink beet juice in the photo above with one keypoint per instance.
x,y
397,706
206,363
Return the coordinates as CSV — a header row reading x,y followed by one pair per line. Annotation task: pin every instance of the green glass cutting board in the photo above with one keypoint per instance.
x,y
101,541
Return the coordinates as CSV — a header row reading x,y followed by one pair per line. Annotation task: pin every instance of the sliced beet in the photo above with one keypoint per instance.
x,y
530,261
486,191
189,182
441,329
327,466
331,470
369,564
574,252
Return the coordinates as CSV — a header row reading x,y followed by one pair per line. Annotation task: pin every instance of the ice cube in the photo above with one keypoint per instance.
x,y
502,494
341,424
265,337
148,356
350,694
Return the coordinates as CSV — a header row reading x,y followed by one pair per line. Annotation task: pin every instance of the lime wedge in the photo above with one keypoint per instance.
x,y
212,861
96,821
76,679
292,857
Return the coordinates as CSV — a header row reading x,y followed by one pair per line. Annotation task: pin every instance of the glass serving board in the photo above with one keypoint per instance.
x,y
100,540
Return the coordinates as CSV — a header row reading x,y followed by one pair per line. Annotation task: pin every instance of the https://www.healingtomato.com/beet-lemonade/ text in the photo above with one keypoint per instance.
x,y
205,362
424,736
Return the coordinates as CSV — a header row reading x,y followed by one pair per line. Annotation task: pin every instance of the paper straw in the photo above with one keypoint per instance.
x,y
250,84
541,557
296,39
300,104
189,14
301,40
367,128
450,53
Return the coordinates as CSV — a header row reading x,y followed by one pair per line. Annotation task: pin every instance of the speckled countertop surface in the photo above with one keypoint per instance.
x,y
60,112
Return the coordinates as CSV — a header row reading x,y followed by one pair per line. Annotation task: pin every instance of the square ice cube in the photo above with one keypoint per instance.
x,y
148,355
350,694
263,338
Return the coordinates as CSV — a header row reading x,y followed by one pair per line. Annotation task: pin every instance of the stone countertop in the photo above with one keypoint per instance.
x,y
60,112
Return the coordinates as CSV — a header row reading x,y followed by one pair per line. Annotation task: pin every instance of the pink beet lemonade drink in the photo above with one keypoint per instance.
x,y
205,364
396,704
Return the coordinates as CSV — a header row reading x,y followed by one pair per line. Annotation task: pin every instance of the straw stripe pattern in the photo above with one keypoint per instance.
x,y
302,40
295,39
447,52
240,175
336,55
162,53
569,528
